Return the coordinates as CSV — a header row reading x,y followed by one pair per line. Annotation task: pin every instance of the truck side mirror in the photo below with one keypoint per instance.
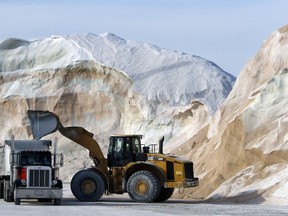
x,y
61,160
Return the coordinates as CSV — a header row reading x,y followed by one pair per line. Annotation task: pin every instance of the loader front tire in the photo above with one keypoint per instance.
x,y
143,186
87,186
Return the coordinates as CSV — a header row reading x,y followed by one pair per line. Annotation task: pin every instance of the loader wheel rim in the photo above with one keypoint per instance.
x,y
88,186
141,187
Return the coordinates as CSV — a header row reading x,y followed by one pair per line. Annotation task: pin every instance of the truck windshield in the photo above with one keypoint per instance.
x,y
35,158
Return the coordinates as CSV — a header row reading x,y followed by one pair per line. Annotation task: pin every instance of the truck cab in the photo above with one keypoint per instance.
x,y
28,170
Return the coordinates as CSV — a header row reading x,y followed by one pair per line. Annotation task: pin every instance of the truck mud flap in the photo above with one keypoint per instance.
x,y
1,188
7,194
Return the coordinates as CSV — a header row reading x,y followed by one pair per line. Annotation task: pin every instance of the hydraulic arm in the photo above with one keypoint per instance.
x,y
45,122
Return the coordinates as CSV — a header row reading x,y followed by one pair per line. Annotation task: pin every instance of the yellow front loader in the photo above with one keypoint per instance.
x,y
145,174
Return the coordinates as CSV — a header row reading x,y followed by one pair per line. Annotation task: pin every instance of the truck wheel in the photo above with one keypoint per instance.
x,y
1,189
143,186
44,200
87,185
8,197
165,194
17,201
57,201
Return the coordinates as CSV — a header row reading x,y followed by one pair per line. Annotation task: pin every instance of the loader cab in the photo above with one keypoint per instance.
x,y
124,149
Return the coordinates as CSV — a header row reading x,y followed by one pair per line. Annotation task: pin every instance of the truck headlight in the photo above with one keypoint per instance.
x,y
54,182
23,181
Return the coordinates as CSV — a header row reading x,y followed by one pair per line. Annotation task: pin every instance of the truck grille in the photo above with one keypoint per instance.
x,y
38,176
189,174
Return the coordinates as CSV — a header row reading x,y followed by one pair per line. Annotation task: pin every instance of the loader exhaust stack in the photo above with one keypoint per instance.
x,y
161,145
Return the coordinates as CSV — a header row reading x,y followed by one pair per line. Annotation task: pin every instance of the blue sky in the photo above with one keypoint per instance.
x,y
227,32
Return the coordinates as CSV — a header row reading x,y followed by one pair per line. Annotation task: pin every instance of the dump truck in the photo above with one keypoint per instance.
x,y
29,170
147,175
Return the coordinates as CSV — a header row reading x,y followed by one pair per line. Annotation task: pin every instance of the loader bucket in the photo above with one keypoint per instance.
x,y
45,122
42,123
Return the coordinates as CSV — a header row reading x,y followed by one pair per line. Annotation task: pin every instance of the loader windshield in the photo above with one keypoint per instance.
x,y
122,149
136,144
126,144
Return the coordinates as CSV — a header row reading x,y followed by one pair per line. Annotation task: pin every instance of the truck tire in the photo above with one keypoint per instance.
x,y
7,195
57,201
165,194
1,189
44,200
87,186
17,201
143,186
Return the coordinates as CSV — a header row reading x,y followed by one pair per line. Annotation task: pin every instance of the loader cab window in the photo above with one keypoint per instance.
x,y
119,145
136,143
122,150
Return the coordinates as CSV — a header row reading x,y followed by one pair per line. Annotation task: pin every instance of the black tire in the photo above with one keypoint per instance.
x,y
87,186
165,194
143,186
1,188
7,195
57,201
44,200
17,201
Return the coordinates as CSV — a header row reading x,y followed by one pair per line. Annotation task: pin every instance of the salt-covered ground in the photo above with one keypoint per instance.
x,y
122,205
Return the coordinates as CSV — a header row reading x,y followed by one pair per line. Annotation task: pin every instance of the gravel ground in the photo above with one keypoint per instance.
x,y
122,205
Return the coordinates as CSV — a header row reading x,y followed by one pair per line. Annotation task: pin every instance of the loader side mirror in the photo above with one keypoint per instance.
x,y
146,149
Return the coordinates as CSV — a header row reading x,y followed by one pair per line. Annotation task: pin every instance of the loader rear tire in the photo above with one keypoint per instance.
x,y
87,186
143,186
